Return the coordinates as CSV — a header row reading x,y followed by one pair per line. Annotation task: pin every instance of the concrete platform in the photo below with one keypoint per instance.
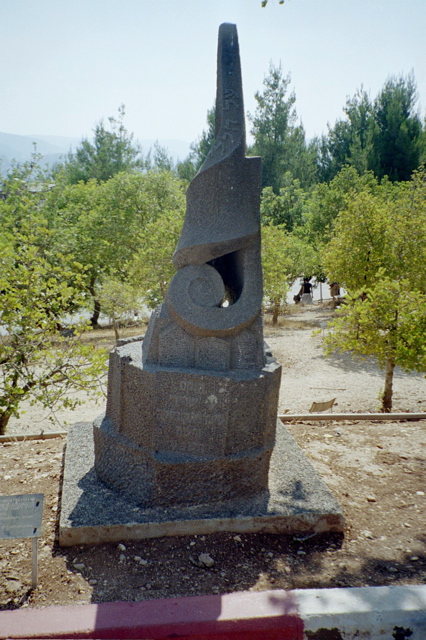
x,y
298,501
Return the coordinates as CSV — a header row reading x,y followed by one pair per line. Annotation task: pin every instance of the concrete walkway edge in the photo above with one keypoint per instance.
x,y
371,613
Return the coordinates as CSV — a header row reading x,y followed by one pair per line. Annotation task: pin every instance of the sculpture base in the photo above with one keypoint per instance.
x,y
183,435
297,501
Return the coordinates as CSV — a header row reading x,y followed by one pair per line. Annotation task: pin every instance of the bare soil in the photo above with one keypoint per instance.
x,y
376,470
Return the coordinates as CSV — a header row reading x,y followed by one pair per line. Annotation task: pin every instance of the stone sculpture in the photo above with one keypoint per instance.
x,y
192,418
190,443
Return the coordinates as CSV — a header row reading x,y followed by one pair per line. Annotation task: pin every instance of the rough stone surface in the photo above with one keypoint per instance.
x,y
179,435
167,344
297,500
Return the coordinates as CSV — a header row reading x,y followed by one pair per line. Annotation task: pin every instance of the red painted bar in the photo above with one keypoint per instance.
x,y
268,615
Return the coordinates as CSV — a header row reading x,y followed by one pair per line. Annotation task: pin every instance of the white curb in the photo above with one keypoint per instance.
x,y
367,613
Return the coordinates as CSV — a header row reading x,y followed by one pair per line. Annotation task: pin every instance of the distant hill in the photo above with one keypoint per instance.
x,y
54,148
20,148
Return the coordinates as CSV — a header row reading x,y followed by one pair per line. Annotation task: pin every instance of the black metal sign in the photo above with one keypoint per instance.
x,y
21,516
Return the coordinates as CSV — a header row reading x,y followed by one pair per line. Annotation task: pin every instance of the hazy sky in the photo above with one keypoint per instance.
x,y
65,64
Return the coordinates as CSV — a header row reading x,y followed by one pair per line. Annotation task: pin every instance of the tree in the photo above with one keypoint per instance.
x,y
384,136
152,268
103,224
397,130
265,2
277,137
284,258
36,360
72,212
378,255
349,141
286,207
381,231
161,160
359,111
119,301
388,323
326,200
199,149
111,152
422,144
202,146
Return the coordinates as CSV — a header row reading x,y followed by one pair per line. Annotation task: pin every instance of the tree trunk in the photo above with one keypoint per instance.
x,y
387,391
4,419
275,312
116,331
96,313
97,305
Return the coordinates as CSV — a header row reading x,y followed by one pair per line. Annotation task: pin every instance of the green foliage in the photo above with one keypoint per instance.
x,y
111,152
42,226
349,141
161,161
397,130
388,321
119,301
384,136
24,189
326,201
186,169
284,258
422,144
265,2
384,231
275,264
277,137
103,224
379,255
152,268
199,150
286,207
36,361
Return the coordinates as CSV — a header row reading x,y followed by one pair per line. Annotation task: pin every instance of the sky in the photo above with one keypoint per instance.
x,y
67,64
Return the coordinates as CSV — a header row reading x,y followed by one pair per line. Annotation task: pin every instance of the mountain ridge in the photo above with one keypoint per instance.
x,y
18,148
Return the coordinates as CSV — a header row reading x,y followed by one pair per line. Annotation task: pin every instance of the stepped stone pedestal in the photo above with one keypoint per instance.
x,y
183,435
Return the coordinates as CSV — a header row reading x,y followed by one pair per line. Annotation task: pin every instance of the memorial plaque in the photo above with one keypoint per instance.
x,y
21,516
192,416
